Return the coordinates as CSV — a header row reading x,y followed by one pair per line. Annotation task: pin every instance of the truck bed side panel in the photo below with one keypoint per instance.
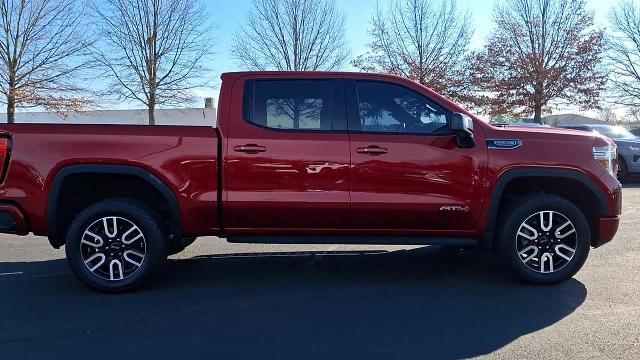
x,y
183,158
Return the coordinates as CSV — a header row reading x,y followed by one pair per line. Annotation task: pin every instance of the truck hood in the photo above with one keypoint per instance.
x,y
622,142
525,132
545,147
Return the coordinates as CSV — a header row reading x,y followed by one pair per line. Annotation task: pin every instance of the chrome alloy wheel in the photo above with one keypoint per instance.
x,y
546,241
113,248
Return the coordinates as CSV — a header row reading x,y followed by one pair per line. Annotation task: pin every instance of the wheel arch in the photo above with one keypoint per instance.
x,y
540,176
55,231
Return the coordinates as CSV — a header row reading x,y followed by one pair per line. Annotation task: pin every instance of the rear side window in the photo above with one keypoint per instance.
x,y
389,108
291,104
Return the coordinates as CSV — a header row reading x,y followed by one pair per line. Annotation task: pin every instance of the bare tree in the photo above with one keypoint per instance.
x,y
633,115
42,53
291,35
624,54
423,40
541,52
153,51
607,115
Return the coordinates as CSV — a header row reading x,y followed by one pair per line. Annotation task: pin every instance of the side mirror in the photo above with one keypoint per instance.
x,y
462,126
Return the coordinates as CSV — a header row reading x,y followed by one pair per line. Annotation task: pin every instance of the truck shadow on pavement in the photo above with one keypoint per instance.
x,y
424,303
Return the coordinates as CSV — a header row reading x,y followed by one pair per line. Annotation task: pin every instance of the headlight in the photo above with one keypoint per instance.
x,y
634,148
606,156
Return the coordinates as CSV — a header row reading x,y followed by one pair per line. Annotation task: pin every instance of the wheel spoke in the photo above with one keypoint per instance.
x,y
565,247
124,237
546,259
114,221
558,233
112,266
530,229
523,254
127,257
102,257
549,224
99,242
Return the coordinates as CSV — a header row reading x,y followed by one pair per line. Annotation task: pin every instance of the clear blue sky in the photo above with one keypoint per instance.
x,y
229,15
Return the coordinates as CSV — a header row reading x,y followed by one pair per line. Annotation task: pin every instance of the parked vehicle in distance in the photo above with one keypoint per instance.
x,y
627,142
306,157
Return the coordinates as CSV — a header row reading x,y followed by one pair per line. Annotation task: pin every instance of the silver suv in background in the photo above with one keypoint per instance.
x,y
628,146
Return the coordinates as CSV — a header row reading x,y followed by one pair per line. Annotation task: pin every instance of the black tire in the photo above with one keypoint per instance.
x,y
179,246
623,170
128,214
509,242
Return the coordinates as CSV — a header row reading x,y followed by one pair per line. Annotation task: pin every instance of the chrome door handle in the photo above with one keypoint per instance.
x,y
250,149
372,150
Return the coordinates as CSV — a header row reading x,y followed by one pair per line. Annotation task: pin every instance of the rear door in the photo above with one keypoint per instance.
x,y
287,162
408,174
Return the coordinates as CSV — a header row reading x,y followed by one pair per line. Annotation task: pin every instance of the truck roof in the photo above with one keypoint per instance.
x,y
308,74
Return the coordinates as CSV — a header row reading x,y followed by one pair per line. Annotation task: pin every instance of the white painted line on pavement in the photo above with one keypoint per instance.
x,y
11,273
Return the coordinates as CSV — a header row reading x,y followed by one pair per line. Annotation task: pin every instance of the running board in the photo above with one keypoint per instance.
x,y
354,240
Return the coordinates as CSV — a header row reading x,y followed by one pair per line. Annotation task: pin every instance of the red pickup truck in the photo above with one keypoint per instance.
x,y
311,158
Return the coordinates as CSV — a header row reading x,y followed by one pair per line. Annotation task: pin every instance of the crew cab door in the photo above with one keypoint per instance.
x,y
287,157
408,174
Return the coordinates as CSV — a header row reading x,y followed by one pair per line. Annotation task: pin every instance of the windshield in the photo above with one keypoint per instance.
x,y
614,132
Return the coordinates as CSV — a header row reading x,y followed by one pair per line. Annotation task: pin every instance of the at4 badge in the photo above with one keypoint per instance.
x,y
504,144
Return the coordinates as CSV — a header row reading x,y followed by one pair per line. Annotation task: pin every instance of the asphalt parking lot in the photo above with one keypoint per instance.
x,y
323,302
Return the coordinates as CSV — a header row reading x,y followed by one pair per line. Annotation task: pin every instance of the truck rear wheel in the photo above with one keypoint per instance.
x,y
116,244
544,239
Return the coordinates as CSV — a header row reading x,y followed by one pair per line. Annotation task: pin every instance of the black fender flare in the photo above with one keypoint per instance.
x,y
510,175
53,232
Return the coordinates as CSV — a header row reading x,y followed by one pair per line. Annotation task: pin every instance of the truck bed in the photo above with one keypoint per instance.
x,y
183,157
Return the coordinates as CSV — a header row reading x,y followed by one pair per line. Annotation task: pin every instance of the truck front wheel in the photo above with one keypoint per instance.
x,y
544,239
116,244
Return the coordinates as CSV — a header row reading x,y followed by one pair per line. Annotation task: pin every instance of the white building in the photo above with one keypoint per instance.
x,y
199,117
570,119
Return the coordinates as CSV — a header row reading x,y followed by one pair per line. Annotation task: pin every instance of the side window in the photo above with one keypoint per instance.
x,y
290,104
390,108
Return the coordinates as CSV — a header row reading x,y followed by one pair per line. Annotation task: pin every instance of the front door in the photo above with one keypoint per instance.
x,y
287,157
408,174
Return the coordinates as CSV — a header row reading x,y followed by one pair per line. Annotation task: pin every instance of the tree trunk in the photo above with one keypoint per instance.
x,y
152,109
296,113
11,101
537,102
537,113
11,109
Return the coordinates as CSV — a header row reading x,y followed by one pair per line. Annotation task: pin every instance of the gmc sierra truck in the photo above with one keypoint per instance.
x,y
340,158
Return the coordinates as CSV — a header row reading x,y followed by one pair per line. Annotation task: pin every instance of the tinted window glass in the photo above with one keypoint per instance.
x,y
290,104
391,108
